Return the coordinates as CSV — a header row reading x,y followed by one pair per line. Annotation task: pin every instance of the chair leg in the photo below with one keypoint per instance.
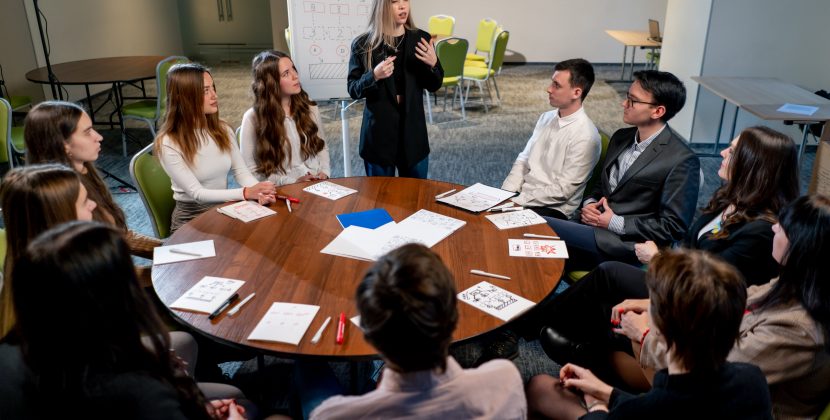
x,y
429,106
461,100
483,99
446,93
498,94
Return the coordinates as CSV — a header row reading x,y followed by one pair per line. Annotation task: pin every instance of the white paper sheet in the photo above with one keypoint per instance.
x,y
495,301
537,248
348,242
329,190
246,211
208,294
477,197
201,249
284,323
515,219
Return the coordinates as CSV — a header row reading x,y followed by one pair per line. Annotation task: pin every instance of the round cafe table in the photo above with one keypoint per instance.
x,y
279,258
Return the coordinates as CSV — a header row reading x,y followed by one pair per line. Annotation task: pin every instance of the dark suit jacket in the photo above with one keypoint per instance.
x,y
657,195
747,246
381,131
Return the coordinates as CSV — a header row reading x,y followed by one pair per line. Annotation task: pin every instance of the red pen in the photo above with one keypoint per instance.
x,y
289,198
341,329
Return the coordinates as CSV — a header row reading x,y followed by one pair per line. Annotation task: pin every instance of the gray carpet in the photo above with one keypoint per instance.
x,y
479,149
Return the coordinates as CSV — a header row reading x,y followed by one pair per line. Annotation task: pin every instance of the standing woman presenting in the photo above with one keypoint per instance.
x,y
390,66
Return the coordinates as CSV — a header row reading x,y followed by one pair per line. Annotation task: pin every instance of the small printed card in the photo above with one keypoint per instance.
x,y
183,252
537,248
285,323
515,219
208,294
329,190
495,301
246,211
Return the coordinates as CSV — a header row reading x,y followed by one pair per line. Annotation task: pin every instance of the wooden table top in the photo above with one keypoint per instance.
x,y
763,96
99,70
279,258
633,38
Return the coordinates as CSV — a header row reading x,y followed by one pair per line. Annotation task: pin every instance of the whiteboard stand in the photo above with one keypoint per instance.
x,y
347,161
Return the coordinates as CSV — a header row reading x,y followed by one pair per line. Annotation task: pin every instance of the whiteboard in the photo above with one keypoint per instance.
x,y
321,37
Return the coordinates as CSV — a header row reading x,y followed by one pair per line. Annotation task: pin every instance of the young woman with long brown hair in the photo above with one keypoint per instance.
x,y
281,136
62,132
196,149
390,66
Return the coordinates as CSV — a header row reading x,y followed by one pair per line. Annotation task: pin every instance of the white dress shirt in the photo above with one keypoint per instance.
x,y
556,163
296,167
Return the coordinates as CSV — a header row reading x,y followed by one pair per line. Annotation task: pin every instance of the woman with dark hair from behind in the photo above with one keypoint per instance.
x,y
282,138
697,300
78,344
786,327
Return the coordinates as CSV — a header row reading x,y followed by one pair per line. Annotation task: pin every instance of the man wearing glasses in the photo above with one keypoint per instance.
x,y
649,184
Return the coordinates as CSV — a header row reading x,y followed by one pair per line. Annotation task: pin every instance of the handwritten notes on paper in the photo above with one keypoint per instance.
x,y
515,219
535,248
208,294
284,323
246,211
329,190
495,301
477,197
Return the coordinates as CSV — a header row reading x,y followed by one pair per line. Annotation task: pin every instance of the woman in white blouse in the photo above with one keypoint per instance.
x,y
281,137
196,150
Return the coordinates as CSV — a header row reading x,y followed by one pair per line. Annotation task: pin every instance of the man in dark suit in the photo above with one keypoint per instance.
x,y
650,180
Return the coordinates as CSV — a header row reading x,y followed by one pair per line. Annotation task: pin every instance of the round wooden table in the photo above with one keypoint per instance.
x,y
279,258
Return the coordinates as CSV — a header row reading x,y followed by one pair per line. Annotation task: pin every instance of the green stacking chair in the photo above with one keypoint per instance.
x,y
154,187
487,29
451,53
288,39
16,102
441,26
11,138
4,246
825,415
483,75
150,110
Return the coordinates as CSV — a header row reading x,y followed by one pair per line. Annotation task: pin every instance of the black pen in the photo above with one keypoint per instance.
x,y
224,306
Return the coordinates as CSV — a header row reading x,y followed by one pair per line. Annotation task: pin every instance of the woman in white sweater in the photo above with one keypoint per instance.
x,y
281,137
196,150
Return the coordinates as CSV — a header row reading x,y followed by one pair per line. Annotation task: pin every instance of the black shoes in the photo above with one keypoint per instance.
x,y
559,348
504,345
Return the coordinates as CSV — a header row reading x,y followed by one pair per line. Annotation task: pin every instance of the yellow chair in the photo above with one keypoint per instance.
x,y
154,188
150,110
487,29
442,26
288,39
451,53
12,146
479,74
825,415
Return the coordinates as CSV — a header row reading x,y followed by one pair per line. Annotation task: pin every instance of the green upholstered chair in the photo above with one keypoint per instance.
x,y
825,415
154,187
150,110
441,26
288,39
16,102
574,276
4,246
11,138
487,29
451,53
483,75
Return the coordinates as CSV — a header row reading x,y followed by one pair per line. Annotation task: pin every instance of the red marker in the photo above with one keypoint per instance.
x,y
341,329
289,198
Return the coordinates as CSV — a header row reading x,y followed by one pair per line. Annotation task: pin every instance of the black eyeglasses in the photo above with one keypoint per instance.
x,y
633,101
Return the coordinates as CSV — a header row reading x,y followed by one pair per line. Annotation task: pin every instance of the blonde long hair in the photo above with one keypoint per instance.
x,y
381,24
186,117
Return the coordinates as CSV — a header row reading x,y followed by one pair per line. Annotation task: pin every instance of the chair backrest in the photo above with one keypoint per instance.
x,y
441,25
161,82
238,133
597,174
154,187
499,48
451,53
5,130
288,39
486,31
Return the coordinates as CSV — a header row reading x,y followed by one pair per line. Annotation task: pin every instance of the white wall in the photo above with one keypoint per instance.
x,y
17,53
84,29
684,42
764,38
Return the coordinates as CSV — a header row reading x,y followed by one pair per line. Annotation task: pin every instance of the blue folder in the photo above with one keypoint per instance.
x,y
369,219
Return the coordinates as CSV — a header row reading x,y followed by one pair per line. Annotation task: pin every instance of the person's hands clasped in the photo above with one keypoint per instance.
x,y
227,409
576,377
629,305
604,218
425,51
646,251
633,325
385,68
590,213
264,192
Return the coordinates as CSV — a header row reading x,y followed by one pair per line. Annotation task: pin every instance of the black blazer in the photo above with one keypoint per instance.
x,y
381,131
747,246
657,195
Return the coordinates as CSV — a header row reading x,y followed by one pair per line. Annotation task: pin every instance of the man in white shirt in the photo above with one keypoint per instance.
x,y
551,172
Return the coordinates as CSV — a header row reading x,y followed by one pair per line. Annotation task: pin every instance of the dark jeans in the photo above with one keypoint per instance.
x,y
419,170
583,253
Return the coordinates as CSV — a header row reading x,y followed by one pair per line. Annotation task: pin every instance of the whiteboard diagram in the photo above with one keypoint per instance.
x,y
321,36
